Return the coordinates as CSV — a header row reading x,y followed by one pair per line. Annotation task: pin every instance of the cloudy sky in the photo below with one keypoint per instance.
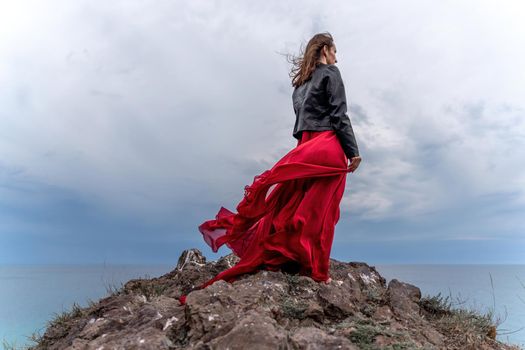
x,y
126,124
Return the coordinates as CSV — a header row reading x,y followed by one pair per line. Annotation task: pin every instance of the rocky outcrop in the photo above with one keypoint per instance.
x,y
268,310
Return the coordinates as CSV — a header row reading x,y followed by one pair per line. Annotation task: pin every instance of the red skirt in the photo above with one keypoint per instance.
x,y
286,220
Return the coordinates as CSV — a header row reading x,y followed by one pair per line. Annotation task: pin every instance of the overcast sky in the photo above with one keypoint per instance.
x,y
126,124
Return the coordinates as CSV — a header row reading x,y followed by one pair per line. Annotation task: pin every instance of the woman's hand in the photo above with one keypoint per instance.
x,y
354,163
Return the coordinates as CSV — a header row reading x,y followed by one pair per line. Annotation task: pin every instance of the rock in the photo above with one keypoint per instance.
x,y
404,298
383,313
264,310
336,301
311,338
433,336
190,257
226,262
210,308
314,311
250,330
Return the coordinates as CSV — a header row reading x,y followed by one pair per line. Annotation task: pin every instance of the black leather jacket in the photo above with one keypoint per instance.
x,y
320,104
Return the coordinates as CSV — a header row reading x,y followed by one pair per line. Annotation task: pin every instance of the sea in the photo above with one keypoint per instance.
x,y
31,295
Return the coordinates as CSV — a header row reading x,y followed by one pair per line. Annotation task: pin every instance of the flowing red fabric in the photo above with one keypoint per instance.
x,y
286,220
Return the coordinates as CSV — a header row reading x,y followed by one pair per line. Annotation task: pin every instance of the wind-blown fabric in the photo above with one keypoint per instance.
x,y
286,220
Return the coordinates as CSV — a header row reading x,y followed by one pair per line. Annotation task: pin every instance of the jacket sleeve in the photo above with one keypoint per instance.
x,y
337,107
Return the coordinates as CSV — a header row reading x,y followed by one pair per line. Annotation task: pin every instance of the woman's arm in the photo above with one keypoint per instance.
x,y
338,112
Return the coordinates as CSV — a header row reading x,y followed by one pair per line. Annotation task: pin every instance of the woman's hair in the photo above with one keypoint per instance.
x,y
307,61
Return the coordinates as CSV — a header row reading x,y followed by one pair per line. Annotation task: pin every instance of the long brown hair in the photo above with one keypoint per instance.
x,y
308,60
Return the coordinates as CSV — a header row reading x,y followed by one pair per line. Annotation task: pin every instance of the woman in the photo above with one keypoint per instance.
x,y
286,220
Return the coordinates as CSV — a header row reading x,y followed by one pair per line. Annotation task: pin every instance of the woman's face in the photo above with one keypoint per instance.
x,y
330,54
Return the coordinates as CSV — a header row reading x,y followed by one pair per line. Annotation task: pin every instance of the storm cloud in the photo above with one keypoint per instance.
x,y
126,124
